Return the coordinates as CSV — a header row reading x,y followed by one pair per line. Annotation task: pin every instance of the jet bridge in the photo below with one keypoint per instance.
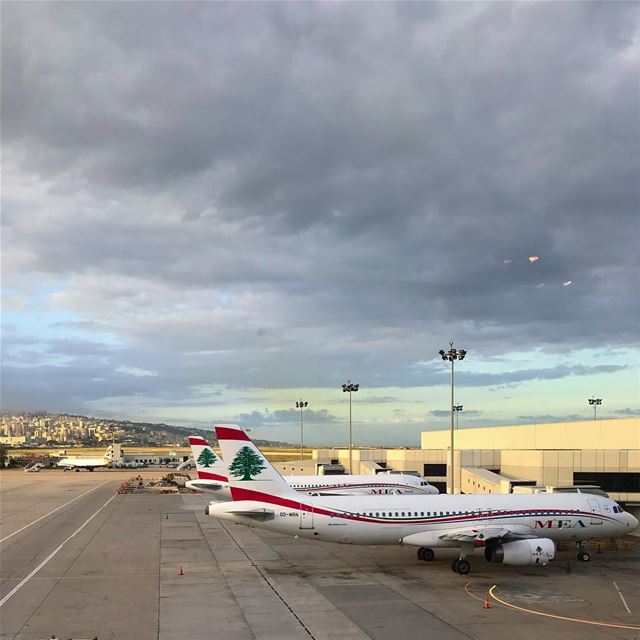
x,y
479,480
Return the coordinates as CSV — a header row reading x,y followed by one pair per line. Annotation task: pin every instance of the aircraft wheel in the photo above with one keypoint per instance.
x,y
425,554
464,566
77,470
584,556
454,564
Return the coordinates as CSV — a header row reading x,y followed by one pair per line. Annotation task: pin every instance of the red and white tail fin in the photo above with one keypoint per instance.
x,y
249,472
209,465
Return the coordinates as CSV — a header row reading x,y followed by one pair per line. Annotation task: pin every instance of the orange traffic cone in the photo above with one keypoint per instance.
x,y
485,604
181,572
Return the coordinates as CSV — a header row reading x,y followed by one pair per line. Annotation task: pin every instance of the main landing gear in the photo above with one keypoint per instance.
x,y
461,565
426,554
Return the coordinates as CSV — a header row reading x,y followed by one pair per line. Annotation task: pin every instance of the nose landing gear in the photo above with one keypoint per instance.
x,y
583,556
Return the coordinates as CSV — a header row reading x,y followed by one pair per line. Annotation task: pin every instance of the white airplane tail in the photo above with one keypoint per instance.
x,y
209,465
251,475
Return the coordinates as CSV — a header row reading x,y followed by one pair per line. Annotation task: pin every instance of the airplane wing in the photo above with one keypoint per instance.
x,y
482,535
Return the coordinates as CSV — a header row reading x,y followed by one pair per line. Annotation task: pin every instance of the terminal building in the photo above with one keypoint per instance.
x,y
512,459
122,458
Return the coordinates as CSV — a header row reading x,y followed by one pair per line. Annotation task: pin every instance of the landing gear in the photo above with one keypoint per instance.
x,y
584,556
426,554
461,566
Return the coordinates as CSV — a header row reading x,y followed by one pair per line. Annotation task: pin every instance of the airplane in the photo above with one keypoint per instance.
x,y
212,477
512,529
71,463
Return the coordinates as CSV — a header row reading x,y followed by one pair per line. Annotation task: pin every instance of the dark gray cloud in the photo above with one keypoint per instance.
x,y
627,411
548,418
445,413
283,417
280,195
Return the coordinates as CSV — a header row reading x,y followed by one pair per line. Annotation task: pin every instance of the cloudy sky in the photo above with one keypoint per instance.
x,y
212,210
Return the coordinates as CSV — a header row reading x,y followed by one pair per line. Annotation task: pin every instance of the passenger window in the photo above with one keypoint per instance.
x,y
428,513
403,514
377,514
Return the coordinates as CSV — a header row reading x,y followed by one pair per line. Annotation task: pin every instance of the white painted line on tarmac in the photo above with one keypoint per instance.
x,y
624,602
26,526
53,553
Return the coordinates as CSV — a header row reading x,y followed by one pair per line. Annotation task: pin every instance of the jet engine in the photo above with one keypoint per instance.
x,y
522,552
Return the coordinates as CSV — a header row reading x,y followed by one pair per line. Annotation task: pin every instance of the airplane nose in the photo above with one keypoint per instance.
x,y
633,522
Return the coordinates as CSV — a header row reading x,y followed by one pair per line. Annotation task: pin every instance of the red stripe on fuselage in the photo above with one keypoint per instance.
x,y
239,493
208,475
224,433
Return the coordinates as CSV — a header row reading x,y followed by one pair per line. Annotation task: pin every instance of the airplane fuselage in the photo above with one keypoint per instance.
x,y
353,485
424,520
83,463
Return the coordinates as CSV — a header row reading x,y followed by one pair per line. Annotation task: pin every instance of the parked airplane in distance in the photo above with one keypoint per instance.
x,y
212,477
71,463
513,529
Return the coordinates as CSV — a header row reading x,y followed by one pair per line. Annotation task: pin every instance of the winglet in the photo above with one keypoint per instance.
x,y
250,474
209,465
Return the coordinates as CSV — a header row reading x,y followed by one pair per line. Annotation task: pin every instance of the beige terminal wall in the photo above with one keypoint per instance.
x,y
586,434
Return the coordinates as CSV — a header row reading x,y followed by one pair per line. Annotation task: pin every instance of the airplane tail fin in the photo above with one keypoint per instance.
x,y
251,475
209,465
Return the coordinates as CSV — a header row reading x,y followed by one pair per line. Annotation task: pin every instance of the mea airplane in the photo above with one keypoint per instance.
x,y
212,477
71,463
512,529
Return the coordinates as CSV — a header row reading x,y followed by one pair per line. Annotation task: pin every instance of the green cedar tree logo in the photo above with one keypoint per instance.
x,y
207,457
247,463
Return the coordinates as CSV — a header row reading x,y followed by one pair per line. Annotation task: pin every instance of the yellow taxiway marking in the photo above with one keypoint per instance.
x,y
557,617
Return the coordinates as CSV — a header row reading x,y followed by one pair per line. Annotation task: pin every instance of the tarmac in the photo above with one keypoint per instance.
x,y
79,561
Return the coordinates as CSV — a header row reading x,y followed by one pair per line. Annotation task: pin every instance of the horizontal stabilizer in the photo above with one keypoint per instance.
x,y
255,514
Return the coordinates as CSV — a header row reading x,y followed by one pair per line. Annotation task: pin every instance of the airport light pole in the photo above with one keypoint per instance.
x,y
301,404
594,402
452,355
350,388
457,408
